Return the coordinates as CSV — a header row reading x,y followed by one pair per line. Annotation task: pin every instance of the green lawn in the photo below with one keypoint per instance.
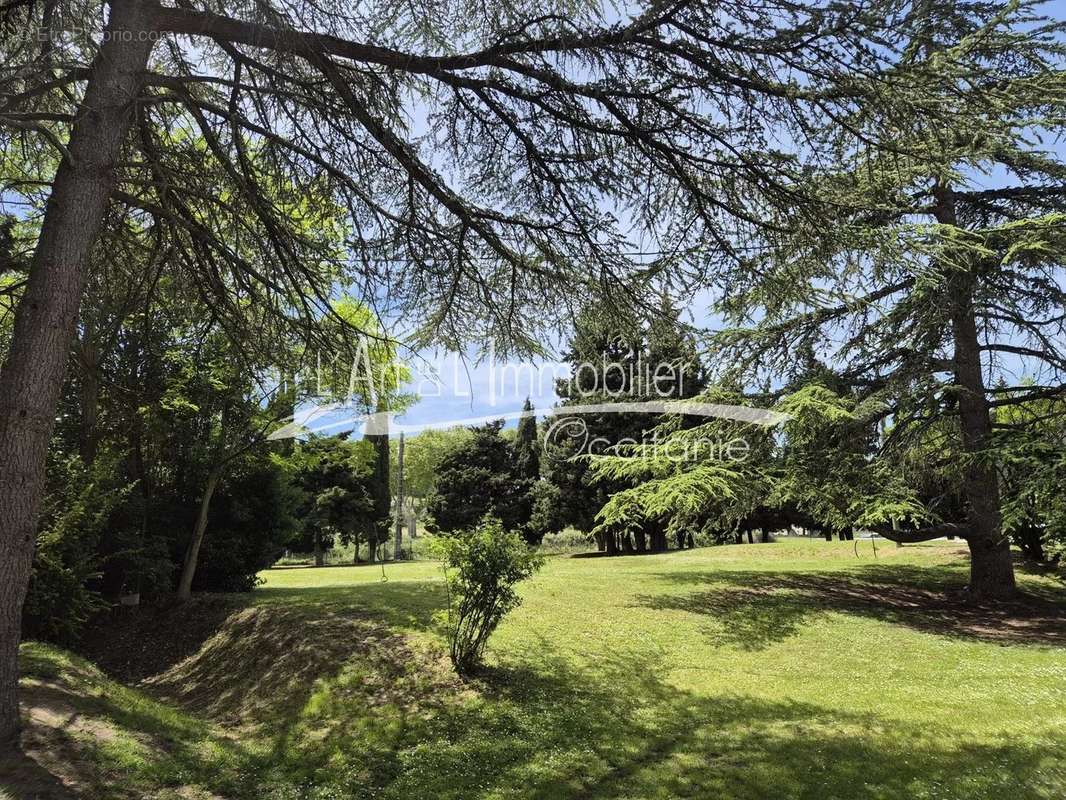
x,y
792,670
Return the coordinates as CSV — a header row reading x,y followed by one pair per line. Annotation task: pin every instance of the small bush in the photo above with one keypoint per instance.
x,y
58,602
569,540
481,569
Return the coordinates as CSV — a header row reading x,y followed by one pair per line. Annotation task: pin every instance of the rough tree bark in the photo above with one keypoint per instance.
x,y
32,377
991,568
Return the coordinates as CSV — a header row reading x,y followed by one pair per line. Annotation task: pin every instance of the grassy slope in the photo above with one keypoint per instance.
x,y
789,671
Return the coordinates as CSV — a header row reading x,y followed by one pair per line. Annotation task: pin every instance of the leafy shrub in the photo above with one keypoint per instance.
x,y
59,601
547,517
569,540
481,569
77,508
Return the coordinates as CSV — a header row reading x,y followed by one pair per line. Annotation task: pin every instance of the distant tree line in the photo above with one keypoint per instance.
x,y
837,463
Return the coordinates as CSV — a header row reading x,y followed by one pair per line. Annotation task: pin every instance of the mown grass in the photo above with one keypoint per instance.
x,y
792,670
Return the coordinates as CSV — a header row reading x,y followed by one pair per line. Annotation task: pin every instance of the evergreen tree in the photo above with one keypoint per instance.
x,y
478,479
628,356
1031,446
333,476
945,259
380,516
549,118
526,446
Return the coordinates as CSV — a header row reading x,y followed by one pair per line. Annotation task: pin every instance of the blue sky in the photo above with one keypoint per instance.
x,y
453,387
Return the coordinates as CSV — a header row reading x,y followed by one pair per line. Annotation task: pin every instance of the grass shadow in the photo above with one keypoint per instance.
x,y
22,777
759,608
347,705
112,742
539,727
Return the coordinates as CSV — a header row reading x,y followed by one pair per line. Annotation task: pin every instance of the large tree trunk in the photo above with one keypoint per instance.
x,y
32,377
658,541
991,569
192,552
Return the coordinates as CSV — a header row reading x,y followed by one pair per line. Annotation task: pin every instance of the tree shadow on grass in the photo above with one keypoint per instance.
x,y
254,660
377,719
107,741
542,728
23,778
759,608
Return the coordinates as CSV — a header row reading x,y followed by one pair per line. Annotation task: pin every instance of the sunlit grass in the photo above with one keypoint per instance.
x,y
801,669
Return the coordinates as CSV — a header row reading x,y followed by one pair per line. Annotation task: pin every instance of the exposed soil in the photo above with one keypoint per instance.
x,y
50,767
133,643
